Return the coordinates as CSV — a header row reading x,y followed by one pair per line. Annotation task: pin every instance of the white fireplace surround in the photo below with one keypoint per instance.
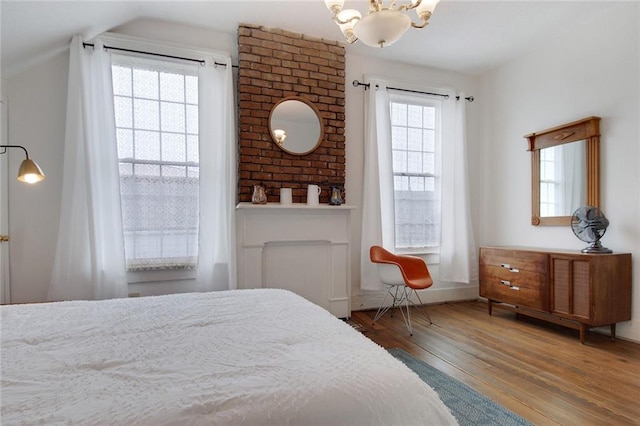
x,y
297,247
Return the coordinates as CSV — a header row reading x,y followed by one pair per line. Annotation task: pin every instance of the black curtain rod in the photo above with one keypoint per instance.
x,y
200,61
356,83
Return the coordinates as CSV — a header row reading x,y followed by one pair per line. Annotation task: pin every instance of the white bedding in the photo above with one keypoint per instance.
x,y
225,358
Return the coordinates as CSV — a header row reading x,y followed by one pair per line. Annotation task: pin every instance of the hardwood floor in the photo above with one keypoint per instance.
x,y
538,370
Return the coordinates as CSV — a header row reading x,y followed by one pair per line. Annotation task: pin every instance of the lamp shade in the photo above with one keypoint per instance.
x,y
30,172
350,17
426,6
383,28
334,3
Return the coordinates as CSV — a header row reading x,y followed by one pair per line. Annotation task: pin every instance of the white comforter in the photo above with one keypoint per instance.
x,y
225,358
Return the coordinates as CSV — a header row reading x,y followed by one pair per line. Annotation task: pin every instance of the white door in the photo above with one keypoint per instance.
x,y
5,295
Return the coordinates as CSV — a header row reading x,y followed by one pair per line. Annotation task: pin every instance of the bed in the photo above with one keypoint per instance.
x,y
239,357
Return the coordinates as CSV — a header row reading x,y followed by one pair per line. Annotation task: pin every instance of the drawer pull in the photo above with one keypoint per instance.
x,y
514,269
505,265
513,287
505,282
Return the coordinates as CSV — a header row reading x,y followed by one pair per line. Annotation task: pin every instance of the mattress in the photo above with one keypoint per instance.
x,y
239,357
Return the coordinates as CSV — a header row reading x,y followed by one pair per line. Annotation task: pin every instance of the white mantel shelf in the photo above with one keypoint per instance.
x,y
297,247
293,206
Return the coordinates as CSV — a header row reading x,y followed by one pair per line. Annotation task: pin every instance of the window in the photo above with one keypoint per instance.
x,y
415,140
156,115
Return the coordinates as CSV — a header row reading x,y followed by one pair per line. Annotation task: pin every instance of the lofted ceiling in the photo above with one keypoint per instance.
x,y
469,36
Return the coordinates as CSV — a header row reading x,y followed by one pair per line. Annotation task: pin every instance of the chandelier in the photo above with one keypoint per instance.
x,y
382,25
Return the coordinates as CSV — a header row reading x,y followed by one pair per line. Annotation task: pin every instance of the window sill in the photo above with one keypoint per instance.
x,y
159,276
431,257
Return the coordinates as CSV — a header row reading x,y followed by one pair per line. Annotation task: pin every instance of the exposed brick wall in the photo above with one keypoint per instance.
x,y
274,64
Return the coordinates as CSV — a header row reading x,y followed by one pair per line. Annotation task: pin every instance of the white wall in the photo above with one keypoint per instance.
x,y
593,70
37,102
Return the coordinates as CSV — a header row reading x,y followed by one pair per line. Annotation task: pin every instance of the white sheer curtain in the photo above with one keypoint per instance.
x,y
377,198
216,251
457,247
89,261
573,185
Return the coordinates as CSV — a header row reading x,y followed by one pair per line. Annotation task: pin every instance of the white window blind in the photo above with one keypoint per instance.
x,y
156,115
415,133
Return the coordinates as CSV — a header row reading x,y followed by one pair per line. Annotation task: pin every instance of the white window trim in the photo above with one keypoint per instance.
x,y
433,253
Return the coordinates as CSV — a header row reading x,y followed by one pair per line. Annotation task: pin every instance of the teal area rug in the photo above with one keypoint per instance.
x,y
468,406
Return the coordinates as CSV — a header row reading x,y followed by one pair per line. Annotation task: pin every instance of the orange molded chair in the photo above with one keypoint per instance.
x,y
404,275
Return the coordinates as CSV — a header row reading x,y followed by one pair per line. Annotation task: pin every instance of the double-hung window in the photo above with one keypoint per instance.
x,y
156,115
416,134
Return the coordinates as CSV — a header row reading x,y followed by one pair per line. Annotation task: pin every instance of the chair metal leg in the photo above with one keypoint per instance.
x,y
384,307
407,319
396,299
404,303
408,303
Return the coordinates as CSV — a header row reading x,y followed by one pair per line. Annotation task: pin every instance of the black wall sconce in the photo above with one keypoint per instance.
x,y
29,171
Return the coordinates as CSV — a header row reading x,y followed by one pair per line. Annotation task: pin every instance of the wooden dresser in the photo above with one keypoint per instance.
x,y
573,289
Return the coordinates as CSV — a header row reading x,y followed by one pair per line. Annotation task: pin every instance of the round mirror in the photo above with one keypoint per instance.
x,y
295,126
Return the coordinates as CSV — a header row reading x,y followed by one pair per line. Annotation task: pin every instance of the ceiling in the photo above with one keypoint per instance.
x,y
469,36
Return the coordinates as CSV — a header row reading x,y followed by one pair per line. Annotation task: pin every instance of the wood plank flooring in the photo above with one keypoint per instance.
x,y
538,370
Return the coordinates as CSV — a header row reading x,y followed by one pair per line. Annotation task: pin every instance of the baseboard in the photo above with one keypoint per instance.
x,y
628,331
373,299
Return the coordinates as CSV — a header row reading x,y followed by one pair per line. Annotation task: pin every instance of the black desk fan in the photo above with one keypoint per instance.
x,y
589,224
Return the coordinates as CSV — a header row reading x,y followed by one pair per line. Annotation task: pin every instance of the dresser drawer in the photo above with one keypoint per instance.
x,y
520,287
516,260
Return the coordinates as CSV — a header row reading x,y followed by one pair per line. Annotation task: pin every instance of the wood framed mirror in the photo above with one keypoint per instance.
x,y
295,125
565,171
